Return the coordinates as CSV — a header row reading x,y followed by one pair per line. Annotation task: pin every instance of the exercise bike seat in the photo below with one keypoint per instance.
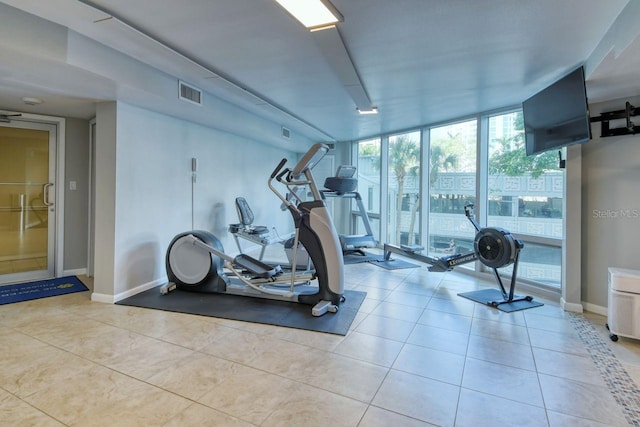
x,y
245,214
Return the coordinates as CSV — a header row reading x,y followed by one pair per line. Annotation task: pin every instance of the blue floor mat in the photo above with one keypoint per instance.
x,y
41,289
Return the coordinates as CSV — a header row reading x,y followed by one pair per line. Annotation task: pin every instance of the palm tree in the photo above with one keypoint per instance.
x,y
439,160
404,159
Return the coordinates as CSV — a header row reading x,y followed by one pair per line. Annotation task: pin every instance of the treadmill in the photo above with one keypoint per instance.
x,y
343,185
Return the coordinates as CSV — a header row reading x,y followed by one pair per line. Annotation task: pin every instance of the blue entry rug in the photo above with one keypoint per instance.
x,y
40,289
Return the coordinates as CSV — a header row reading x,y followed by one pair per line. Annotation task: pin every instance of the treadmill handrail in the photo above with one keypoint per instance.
x,y
362,211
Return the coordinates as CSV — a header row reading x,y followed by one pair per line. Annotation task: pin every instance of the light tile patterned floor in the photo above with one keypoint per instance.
x,y
416,355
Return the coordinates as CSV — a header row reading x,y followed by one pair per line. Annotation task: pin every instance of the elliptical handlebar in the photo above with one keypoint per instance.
x,y
277,169
300,175
278,174
281,174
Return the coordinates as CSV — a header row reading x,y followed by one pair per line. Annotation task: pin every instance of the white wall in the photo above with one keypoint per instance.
x,y
610,205
105,189
76,201
153,189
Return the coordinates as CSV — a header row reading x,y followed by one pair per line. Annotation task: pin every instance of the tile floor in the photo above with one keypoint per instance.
x,y
416,355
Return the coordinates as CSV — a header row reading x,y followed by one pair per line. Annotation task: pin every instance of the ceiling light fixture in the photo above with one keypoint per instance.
x,y
320,17
373,110
312,13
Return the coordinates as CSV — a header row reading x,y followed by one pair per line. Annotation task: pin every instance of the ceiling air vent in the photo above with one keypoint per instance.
x,y
189,93
286,133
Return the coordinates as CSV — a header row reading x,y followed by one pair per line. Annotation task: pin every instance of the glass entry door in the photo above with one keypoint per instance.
x,y
27,196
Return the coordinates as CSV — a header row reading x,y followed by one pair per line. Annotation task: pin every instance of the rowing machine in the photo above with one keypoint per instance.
x,y
494,247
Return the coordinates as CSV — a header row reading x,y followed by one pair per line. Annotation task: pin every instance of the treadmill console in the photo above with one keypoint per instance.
x,y
345,171
343,182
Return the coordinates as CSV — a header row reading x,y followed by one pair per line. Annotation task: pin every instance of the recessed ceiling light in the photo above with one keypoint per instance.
x,y
312,13
32,101
373,110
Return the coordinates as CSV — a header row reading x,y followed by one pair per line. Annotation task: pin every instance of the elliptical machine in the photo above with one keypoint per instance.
x,y
196,261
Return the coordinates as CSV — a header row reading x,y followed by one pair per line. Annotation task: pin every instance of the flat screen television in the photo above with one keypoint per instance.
x,y
558,115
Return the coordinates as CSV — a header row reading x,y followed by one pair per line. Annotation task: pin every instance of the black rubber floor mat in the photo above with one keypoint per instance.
x,y
257,310
393,264
486,296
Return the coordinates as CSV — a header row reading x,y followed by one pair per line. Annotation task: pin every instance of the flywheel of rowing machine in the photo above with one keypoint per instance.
x,y
496,247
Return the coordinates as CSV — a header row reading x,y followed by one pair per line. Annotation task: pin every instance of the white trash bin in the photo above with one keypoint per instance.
x,y
623,312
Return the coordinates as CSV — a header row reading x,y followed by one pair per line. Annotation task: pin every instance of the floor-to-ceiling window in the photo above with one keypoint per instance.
x,y
453,165
452,186
403,213
525,196
368,164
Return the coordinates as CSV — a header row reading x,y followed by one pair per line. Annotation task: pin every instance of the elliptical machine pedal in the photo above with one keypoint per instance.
x,y
324,307
167,288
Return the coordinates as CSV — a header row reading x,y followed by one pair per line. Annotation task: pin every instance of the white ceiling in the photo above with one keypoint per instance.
x,y
420,61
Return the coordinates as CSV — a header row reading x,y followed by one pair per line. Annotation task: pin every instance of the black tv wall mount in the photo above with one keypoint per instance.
x,y
627,113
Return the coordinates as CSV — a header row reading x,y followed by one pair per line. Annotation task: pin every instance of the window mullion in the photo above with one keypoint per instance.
x,y
384,186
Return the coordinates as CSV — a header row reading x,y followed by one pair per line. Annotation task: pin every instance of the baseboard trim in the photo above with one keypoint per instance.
x,y
581,308
597,309
112,299
571,306
102,298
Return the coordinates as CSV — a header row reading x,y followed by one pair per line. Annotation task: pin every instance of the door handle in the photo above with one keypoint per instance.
x,y
45,194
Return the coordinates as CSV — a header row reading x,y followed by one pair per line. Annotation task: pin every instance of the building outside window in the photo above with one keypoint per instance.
x,y
525,196
368,172
452,186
